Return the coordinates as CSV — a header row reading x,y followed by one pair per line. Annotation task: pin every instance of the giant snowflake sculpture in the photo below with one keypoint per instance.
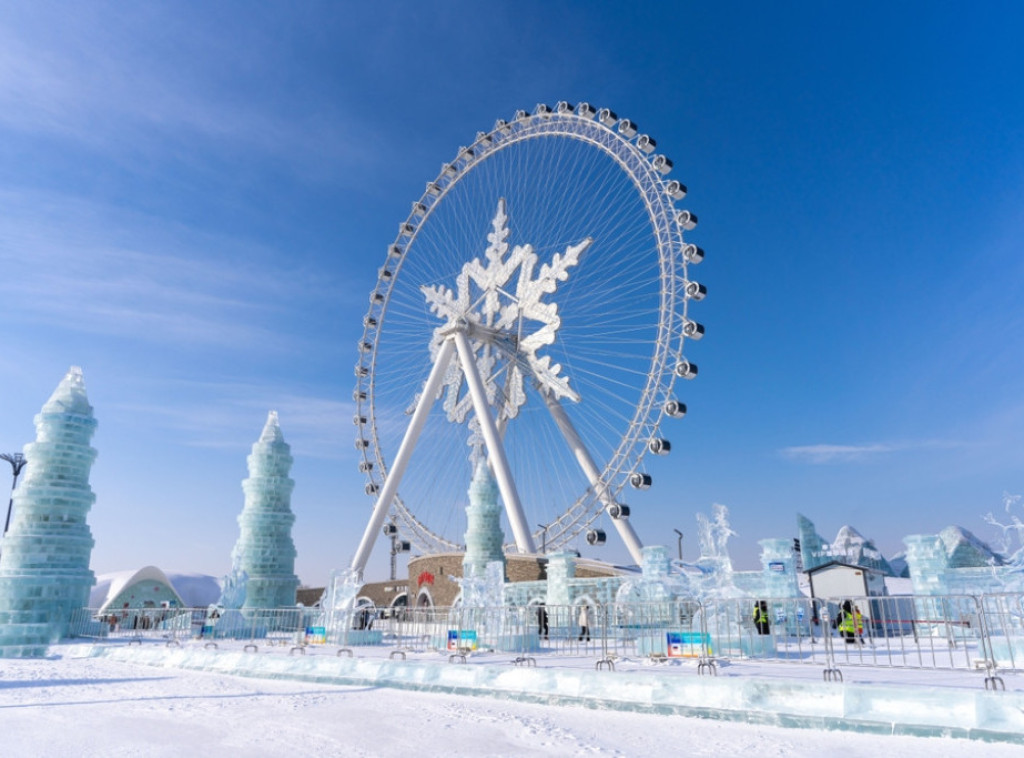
x,y
494,318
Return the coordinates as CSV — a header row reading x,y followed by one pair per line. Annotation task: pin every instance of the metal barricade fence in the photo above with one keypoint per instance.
x,y
135,623
917,632
948,632
284,625
1003,618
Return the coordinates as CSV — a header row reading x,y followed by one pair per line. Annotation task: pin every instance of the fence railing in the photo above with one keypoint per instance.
x,y
949,632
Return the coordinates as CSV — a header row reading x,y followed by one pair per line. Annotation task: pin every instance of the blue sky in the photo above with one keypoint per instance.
x,y
195,199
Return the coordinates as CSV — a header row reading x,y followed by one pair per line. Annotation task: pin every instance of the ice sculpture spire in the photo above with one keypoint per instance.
x,y
483,524
265,551
44,558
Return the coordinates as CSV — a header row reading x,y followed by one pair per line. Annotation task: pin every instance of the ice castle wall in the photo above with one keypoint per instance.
x,y
778,563
931,572
265,550
44,558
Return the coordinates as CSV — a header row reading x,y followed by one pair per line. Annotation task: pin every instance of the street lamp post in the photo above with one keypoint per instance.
x,y
17,461
544,539
397,546
680,543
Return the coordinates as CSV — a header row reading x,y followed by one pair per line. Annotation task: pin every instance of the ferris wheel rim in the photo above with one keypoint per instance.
x,y
646,172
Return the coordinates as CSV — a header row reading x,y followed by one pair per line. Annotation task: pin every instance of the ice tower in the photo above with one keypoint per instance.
x,y
778,562
813,552
483,524
265,551
44,558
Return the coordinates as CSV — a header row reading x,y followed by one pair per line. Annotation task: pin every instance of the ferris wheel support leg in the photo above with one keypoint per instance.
x,y
495,449
394,477
572,437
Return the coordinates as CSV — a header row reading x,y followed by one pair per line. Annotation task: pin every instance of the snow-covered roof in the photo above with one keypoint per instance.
x,y
125,579
192,590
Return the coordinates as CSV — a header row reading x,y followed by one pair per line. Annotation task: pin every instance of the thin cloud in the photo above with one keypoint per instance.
x,y
108,81
825,453
89,268
230,416
836,453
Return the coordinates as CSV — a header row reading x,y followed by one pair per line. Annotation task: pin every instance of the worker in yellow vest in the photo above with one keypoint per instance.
x,y
761,620
851,623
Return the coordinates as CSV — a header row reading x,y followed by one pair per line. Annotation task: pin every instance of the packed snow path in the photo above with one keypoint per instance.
x,y
85,706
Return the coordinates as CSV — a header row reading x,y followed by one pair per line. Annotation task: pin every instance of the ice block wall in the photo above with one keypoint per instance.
x,y
778,563
561,572
44,558
265,551
928,564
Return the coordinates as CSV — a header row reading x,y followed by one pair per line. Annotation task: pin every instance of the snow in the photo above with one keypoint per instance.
x,y
73,704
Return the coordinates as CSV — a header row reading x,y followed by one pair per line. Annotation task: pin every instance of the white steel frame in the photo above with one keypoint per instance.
x,y
618,139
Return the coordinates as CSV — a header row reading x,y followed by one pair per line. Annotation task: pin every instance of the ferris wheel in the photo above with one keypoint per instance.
x,y
531,314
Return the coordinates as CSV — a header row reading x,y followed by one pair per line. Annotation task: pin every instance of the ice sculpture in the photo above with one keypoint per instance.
x,y
225,614
944,563
849,546
341,590
965,550
483,565
234,589
483,601
1012,538
778,562
44,558
337,610
265,551
928,562
483,524
561,573
713,535
779,581
658,581
813,550
710,577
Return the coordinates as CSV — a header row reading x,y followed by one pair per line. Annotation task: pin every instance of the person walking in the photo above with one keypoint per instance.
x,y
584,622
761,617
542,620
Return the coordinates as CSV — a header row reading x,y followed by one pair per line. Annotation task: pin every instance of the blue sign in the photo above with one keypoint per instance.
x,y
687,644
466,638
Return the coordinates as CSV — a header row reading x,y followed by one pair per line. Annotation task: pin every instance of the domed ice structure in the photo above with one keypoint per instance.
x,y
44,557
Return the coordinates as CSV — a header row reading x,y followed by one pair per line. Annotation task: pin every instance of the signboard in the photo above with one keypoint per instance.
x,y
316,635
465,638
687,644
776,566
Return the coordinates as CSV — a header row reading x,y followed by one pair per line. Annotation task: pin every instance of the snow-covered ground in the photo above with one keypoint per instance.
x,y
68,704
